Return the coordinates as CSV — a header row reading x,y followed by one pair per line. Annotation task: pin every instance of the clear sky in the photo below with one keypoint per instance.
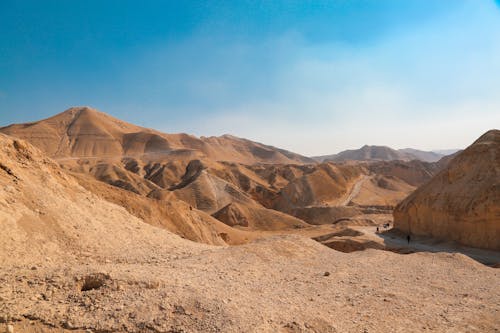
x,y
314,77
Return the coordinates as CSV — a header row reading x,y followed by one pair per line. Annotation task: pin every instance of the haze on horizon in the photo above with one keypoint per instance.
x,y
314,78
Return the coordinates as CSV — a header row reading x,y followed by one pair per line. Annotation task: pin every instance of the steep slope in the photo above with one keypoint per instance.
x,y
227,202
255,217
44,213
460,203
167,212
85,132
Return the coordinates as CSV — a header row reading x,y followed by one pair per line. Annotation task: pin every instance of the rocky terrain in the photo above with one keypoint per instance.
x,y
72,261
110,227
215,190
462,202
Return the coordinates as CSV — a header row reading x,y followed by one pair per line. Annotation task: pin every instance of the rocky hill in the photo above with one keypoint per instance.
x,y
85,132
460,203
71,261
200,188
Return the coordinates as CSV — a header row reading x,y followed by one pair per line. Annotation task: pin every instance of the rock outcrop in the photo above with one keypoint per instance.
x,y
462,202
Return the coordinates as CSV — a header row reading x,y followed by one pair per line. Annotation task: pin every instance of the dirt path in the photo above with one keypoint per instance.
x,y
423,244
355,190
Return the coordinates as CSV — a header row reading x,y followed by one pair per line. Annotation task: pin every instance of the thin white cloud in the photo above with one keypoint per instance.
x,y
433,86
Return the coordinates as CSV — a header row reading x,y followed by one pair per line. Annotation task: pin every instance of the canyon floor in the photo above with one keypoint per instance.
x,y
279,284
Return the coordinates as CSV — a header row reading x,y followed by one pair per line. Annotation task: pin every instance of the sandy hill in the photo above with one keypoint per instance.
x,y
381,153
412,172
71,261
30,171
85,132
461,203
216,189
326,184
45,213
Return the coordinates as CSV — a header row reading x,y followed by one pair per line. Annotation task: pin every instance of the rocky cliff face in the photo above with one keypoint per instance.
x,y
462,202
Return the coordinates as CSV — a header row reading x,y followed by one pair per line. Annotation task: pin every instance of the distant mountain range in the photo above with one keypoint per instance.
x,y
384,153
85,132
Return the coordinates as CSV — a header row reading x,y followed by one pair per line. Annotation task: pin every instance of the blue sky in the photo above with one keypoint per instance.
x,y
314,77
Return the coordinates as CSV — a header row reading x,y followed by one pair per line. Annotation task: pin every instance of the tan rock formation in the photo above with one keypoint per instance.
x,y
462,202
242,183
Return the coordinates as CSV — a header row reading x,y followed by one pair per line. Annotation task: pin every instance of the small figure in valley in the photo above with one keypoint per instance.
x,y
377,229
408,238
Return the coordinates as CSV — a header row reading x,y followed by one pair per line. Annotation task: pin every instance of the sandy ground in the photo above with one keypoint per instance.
x,y
281,284
394,240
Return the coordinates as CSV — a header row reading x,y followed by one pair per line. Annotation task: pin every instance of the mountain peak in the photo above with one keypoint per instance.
x,y
492,135
82,131
72,111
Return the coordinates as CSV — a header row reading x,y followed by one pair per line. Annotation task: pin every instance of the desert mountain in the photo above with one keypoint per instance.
x,y
71,261
45,213
426,156
460,203
381,153
215,190
85,132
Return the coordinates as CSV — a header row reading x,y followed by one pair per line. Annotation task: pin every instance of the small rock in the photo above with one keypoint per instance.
x,y
179,309
9,329
68,324
34,268
326,274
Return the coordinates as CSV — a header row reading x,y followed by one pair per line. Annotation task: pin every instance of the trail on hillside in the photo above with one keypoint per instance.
x,y
355,190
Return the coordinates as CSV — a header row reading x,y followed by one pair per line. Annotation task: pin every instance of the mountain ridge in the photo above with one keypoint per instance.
x,y
380,153
67,135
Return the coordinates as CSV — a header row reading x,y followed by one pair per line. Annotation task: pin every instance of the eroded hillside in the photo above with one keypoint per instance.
x,y
71,261
462,202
